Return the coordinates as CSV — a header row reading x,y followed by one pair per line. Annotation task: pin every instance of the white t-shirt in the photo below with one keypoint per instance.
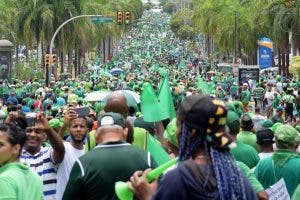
x,y
64,169
265,155
270,97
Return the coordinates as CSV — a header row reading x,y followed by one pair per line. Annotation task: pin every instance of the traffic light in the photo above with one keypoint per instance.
x,y
119,17
47,60
289,3
53,58
127,17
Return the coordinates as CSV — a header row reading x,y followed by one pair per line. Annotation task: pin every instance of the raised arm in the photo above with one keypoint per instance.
x,y
54,139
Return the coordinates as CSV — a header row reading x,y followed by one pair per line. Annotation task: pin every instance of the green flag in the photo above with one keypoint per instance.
x,y
165,99
182,64
150,107
156,150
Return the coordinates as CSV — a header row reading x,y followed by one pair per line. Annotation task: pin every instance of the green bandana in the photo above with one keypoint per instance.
x,y
281,156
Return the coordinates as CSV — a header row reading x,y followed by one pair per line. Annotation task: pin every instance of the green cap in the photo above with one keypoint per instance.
x,y
267,123
231,117
286,135
170,132
55,123
111,118
275,126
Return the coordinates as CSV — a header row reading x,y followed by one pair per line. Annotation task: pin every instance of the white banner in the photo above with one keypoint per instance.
x,y
278,191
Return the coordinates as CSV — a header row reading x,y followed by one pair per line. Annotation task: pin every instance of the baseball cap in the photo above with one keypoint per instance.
x,y
246,121
267,123
111,118
265,136
233,120
207,115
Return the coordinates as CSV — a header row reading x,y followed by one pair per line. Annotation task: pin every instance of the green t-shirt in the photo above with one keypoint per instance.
x,y
18,182
94,175
276,102
245,153
256,185
234,89
247,137
245,96
268,172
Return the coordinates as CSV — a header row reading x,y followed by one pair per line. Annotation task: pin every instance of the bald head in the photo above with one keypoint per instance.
x,y
117,103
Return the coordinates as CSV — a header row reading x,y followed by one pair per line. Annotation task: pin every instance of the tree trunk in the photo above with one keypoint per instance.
x,y
17,52
62,63
70,68
40,55
279,61
76,63
104,50
26,54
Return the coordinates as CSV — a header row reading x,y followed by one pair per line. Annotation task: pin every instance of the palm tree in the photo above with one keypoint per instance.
x,y
284,19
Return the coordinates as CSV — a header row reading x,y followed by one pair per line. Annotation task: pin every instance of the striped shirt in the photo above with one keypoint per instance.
x,y
43,164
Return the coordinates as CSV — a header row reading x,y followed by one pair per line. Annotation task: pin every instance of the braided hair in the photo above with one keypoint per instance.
x,y
229,178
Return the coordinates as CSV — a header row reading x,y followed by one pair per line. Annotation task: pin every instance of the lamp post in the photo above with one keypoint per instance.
x,y
55,34
235,36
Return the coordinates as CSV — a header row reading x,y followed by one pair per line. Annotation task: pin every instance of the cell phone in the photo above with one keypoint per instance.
x,y
31,119
82,111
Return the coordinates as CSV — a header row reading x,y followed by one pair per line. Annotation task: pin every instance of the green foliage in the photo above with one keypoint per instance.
x,y
169,7
23,72
148,6
180,24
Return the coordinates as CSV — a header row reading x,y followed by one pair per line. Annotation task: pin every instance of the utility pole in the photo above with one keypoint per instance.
x,y
235,37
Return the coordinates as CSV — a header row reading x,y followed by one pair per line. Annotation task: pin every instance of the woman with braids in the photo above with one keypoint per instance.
x,y
206,170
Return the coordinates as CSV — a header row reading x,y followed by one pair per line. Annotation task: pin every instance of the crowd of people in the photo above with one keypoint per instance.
x,y
233,140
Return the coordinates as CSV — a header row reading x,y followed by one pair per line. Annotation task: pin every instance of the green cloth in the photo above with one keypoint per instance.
x,y
140,138
234,89
288,98
296,195
275,126
94,175
266,123
245,153
170,132
18,182
165,99
245,96
247,137
90,142
256,185
268,174
275,102
286,135
158,153
55,123
150,106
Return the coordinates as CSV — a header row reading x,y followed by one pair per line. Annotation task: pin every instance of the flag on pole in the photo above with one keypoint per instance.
x,y
165,99
150,107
